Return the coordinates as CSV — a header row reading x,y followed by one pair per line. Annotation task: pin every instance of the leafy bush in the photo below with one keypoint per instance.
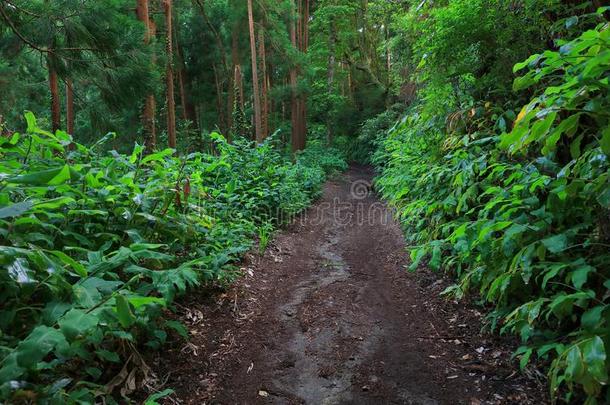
x,y
303,181
522,215
371,134
330,160
96,246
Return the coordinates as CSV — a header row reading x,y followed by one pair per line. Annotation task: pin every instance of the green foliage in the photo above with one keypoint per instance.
x,y
371,134
517,206
304,180
469,46
97,45
95,247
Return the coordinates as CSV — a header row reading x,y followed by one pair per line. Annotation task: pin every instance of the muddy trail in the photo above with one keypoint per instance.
x,y
329,315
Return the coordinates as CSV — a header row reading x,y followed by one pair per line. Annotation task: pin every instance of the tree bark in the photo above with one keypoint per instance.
x,y
224,122
188,111
300,40
180,77
304,48
294,104
69,107
169,76
271,105
240,125
264,84
332,60
255,84
148,114
232,83
55,107
239,86
219,98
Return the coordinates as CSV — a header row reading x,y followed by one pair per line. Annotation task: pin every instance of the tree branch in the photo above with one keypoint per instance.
x,y
23,38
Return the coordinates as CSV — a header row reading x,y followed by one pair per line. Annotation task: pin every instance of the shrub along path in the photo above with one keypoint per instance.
x,y
328,315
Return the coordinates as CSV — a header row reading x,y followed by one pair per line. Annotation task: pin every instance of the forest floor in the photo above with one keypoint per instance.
x,y
329,315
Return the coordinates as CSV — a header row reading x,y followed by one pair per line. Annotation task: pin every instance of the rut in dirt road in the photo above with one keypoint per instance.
x,y
329,315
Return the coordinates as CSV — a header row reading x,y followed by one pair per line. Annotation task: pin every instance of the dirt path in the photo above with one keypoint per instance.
x,y
330,316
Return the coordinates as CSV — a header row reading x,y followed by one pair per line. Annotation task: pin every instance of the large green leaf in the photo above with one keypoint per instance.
x,y
126,317
556,244
61,177
67,260
77,322
39,178
39,343
594,354
15,210
605,141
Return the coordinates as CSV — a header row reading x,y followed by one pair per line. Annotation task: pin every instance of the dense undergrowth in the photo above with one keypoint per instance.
x,y
515,202
97,245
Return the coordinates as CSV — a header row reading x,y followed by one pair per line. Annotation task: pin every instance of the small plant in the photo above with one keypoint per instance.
x,y
265,232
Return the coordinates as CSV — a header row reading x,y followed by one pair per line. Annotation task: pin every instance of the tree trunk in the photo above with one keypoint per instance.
x,y
294,107
188,111
240,125
255,85
304,47
332,59
169,76
388,52
55,107
264,88
388,66
239,86
224,122
180,77
271,105
69,107
300,40
148,114
232,83
219,98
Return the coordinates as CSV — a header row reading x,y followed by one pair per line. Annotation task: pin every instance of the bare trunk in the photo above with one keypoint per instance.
x,y
188,111
55,107
294,107
180,78
300,39
239,86
150,126
388,53
271,105
219,98
224,122
350,84
388,66
69,107
148,114
255,85
169,77
232,82
240,125
304,48
332,59
265,83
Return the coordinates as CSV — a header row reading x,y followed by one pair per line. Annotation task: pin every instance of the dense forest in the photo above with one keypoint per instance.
x,y
147,145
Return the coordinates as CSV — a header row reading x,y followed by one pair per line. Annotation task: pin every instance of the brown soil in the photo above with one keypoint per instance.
x,y
329,315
